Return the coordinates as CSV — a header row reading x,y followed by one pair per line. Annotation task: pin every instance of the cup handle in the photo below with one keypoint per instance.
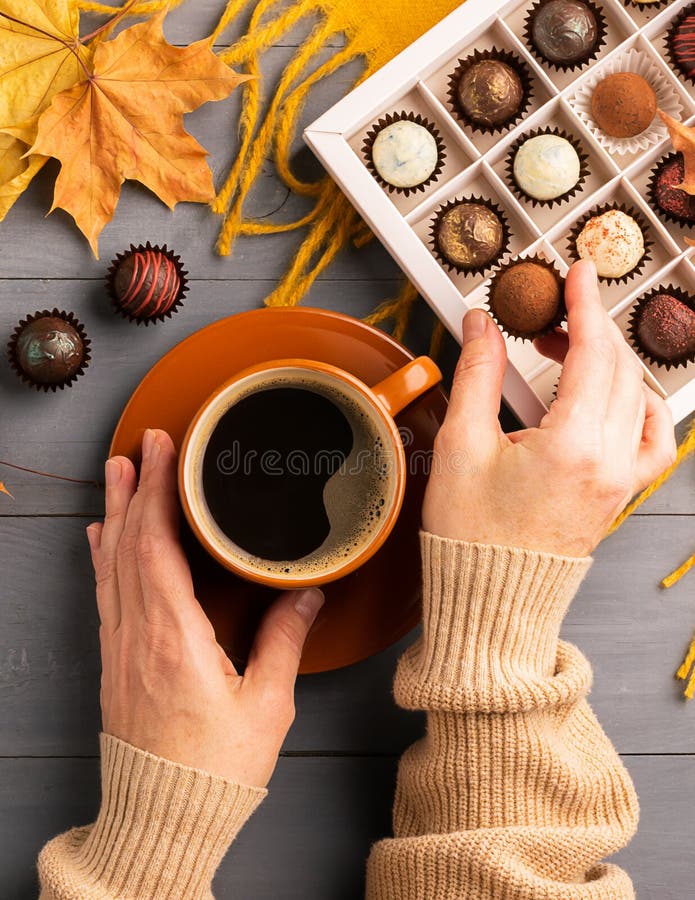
x,y
407,384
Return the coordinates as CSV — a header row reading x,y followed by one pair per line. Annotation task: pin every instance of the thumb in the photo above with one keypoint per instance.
x,y
277,649
476,390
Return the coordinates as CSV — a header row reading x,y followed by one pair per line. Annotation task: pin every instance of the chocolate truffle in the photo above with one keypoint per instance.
x,y
682,44
146,283
666,193
526,298
546,167
623,104
614,241
490,93
470,235
564,32
49,349
664,327
405,154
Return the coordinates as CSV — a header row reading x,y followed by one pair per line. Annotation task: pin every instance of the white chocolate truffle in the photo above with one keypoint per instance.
x,y
405,154
546,167
614,241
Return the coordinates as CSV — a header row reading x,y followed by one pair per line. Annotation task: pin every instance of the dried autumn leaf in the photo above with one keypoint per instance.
x,y
126,122
39,58
3,490
683,140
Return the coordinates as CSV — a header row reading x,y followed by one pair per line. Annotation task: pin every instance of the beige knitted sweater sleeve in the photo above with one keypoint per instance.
x,y
515,792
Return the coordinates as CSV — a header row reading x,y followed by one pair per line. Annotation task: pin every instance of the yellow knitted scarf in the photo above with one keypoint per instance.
x,y
374,31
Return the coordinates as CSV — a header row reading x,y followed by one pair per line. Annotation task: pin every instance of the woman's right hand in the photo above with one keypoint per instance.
x,y
556,488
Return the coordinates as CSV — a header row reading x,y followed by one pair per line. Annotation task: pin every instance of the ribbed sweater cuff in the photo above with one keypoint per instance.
x,y
491,622
162,830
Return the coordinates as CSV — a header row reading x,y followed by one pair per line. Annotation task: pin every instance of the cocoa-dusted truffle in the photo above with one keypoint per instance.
x,y
526,298
146,284
470,235
682,44
664,328
623,104
49,350
564,32
490,92
666,193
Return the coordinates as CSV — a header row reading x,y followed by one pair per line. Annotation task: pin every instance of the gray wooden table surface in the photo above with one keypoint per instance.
x,y
331,795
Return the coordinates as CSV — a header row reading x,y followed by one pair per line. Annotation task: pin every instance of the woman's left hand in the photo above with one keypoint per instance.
x,y
167,686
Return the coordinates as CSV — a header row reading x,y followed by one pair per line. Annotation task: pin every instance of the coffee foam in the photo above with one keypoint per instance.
x,y
357,498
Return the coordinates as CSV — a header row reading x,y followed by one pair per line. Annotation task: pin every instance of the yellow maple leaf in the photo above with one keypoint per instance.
x,y
3,490
40,57
683,140
126,122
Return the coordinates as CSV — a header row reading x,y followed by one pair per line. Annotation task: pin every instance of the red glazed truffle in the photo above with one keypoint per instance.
x,y
146,284
682,44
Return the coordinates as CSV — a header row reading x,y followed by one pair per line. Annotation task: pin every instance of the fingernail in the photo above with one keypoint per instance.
x,y
147,444
591,266
93,536
308,603
113,472
474,325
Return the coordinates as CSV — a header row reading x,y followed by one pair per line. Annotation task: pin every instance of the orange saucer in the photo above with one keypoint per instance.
x,y
365,612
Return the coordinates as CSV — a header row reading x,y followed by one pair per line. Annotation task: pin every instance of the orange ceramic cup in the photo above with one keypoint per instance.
x,y
379,404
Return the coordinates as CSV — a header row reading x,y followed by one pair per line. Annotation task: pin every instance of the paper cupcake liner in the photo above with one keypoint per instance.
x,y
468,270
633,322
598,211
667,100
637,5
513,62
583,167
554,323
145,319
670,36
651,194
389,119
567,67
68,317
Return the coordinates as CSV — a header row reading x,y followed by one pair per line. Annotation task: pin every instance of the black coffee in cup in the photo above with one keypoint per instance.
x,y
295,474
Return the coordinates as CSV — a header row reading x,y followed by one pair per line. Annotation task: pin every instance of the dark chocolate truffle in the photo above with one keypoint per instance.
x,y
665,329
526,298
146,283
623,104
666,194
470,235
490,92
49,349
682,44
564,32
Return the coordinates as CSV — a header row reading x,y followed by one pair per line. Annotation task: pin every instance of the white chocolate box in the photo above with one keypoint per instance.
x,y
417,80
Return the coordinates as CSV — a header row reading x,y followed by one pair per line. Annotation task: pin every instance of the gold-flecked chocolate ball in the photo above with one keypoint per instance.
x,y
470,235
490,92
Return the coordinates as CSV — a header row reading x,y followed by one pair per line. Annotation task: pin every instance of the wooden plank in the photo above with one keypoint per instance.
x,y
634,634
69,432
311,837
